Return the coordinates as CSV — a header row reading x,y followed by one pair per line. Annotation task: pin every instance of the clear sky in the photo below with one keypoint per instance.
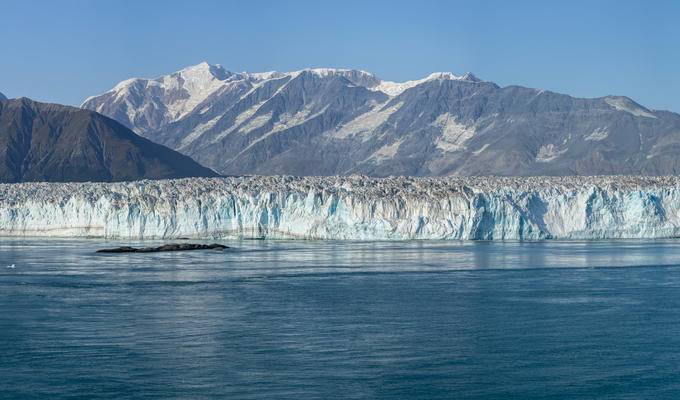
x,y
65,50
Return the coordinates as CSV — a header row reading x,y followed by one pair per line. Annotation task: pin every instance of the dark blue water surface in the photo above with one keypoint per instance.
x,y
308,319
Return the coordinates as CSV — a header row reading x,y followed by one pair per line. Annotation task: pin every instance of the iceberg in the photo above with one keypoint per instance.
x,y
348,208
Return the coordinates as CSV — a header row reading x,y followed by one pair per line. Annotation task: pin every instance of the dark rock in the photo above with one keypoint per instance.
x,y
165,247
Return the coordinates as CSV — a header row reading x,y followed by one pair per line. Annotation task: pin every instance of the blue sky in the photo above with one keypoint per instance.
x,y
65,50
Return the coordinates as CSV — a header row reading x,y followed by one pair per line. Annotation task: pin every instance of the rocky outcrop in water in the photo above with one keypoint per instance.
x,y
164,248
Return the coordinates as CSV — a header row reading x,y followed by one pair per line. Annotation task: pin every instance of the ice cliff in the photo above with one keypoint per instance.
x,y
354,207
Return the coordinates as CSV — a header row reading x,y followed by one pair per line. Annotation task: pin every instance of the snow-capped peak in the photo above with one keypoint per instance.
x,y
625,104
198,81
323,72
202,66
199,75
469,76
203,79
265,76
396,88
441,75
205,71
124,84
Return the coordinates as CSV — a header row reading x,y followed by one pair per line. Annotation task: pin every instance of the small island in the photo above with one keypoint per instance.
x,y
165,247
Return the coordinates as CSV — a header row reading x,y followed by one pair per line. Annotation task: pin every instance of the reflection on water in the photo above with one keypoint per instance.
x,y
309,319
253,258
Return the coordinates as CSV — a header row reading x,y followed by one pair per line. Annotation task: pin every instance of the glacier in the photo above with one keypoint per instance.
x,y
348,208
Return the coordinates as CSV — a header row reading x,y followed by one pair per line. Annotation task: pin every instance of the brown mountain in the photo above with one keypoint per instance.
x,y
51,142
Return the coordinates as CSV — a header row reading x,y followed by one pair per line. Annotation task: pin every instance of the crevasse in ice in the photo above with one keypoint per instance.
x,y
353,207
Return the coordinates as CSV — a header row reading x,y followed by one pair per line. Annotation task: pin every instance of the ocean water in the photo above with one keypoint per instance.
x,y
325,320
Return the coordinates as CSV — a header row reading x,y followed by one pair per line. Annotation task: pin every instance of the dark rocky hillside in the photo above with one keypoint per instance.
x,y
51,142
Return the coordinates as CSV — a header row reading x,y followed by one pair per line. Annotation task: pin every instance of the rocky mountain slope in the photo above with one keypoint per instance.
x,y
353,207
51,142
338,122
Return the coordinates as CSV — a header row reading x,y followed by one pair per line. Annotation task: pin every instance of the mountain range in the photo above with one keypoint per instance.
x,y
339,122
51,142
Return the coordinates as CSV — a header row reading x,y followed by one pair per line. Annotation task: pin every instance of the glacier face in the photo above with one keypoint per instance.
x,y
352,207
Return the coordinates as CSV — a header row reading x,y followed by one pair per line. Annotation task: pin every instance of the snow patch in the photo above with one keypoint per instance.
x,y
244,116
256,122
198,131
454,134
240,119
549,152
324,72
386,152
265,76
289,120
396,88
481,149
598,134
366,123
286,121
627,105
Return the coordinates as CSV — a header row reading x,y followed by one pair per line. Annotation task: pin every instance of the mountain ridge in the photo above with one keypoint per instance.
x,y
325,121
52,142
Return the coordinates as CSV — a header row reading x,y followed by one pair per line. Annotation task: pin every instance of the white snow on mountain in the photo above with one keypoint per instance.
x,y
324,72
386,152
598,134
549,152
365,123
624,104
396,88
280,122
454,134
198,131
480,150
256,122
184,93
200,82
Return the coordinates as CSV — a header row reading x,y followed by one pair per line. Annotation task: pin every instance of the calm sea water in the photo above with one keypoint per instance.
x,y
308,319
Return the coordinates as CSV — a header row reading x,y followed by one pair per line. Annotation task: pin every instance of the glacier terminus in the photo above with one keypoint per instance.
x,y
348,208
